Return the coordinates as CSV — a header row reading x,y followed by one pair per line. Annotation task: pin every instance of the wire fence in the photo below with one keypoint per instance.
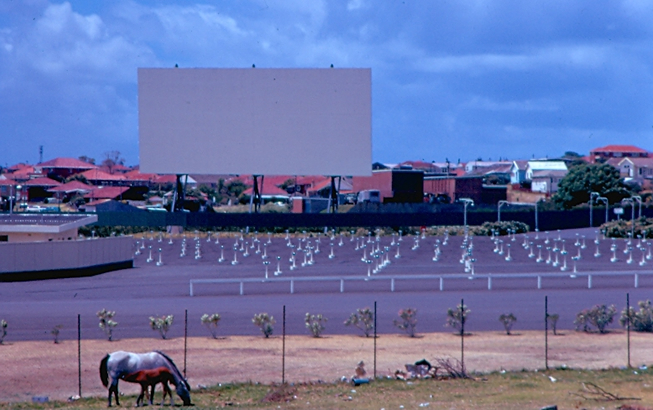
x,y
289,358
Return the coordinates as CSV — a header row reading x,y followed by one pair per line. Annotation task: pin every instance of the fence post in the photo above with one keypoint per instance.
x,y
546,332
462,335
375,340
283,348
185,338
79,353
628,327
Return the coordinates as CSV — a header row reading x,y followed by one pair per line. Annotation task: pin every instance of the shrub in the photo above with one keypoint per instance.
x,y
211,323
640,321
315,324
553,320
600,316
362,319
265,322
407,321
456,317
106,322
55,333
503,227
162,324
3,330
508,319
622,228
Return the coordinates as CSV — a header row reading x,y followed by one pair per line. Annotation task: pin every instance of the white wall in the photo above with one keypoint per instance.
x,y
37,256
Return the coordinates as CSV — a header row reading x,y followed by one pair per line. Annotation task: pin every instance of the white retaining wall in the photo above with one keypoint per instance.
x,y
41,256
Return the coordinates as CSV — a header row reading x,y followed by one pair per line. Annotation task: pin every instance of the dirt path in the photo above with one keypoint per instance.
x,y
241,358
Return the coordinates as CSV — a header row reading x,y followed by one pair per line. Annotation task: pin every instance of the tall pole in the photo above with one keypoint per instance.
x,y
79,353
462,335
185,338
546,332
375,340
628,326
283,348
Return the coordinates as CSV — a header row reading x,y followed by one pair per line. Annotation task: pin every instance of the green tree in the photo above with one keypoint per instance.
x,y
362,319
575,188
265,322
408,321
315,324
211,323
162,324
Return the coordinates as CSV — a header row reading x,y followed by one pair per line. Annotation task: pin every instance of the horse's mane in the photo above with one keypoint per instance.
x,y
174,366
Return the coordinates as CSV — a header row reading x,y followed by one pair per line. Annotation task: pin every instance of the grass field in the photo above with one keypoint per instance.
x,y
630,389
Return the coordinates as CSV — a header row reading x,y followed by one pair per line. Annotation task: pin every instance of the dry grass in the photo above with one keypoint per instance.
x,y
45,369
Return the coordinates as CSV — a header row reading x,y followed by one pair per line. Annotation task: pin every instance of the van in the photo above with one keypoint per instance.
x,y
369,195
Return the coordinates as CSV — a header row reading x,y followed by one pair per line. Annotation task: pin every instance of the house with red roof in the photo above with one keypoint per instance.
x,y
61,168
602,154
98,177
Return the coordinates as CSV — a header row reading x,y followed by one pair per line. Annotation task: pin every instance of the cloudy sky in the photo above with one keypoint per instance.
x,y
450,79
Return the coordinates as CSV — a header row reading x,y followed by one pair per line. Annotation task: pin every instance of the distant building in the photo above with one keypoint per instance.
x,y
617,151
395,185
62,168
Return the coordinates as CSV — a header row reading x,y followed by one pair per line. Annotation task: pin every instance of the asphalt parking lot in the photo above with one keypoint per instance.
x,y
33,308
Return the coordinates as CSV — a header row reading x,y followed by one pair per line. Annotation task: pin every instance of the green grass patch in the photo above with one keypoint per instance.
x,y
508,390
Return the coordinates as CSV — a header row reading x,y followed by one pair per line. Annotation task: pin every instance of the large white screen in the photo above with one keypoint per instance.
x,y
255,121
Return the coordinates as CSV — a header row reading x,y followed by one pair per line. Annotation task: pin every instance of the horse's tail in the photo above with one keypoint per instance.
x,y
174,367
104,374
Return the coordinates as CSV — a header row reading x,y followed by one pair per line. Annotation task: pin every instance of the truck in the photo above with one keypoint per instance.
x,y
369,195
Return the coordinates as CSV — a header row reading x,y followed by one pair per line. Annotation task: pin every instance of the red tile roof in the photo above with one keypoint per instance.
x,y
137,176
72,186
166,179
107,192
619,148
97,175
66,163
270,190
42,181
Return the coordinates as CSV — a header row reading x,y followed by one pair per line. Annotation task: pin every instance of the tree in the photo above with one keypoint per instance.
x,y
508,320
599,316
77,177
457,317
315,324
87,159
642,320
265,322
3,330
362,319
162,324
106,322
55,333
408,321
111,159
211,323
575,188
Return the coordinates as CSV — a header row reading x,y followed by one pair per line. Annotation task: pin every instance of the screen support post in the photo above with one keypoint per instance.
x,y
334,194
179,195
255,199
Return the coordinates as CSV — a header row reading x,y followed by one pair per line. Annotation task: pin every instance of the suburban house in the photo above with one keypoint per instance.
x,y
546,180
518,171
62,168
617,151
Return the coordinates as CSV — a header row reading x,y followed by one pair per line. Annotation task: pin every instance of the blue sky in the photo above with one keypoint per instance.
x,y
450,79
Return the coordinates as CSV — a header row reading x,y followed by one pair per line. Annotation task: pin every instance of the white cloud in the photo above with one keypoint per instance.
x,y
580,56
484,103
355,4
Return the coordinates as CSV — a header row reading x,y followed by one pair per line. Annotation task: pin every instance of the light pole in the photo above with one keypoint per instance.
x,y
592,195
639,201
499,205
12,195
632,215
466,201
604,199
